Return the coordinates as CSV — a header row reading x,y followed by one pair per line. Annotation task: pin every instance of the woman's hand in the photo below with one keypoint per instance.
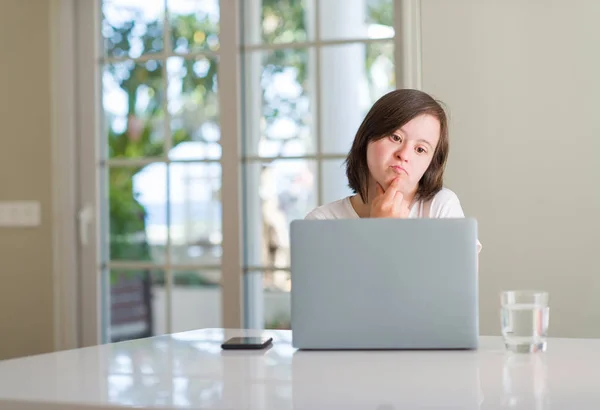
x,y
389,203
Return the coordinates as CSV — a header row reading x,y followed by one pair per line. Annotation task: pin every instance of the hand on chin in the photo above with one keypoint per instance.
x,y
389,202
402,182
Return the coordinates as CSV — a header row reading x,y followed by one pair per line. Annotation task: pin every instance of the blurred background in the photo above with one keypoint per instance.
x,y
170,143
302,101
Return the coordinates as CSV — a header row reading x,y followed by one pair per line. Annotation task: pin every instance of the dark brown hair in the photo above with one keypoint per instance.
x,y
389,113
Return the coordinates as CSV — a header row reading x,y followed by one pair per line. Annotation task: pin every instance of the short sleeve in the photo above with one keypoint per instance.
x,y
315,214
451,208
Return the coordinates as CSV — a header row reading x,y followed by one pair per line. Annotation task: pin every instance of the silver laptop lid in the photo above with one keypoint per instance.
x,y
384,283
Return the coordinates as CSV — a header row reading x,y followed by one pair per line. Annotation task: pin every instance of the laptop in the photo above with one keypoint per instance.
x,y
378,283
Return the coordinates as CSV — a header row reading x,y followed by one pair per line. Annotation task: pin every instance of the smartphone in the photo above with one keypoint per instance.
x,y
241,343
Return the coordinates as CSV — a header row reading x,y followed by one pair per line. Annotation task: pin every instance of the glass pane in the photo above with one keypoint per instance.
x,y
276,193
193,105
132,101
195,213
132,27
278,21
267,296
354,19
133,307
354,76
194,25
277,305
196,300
334,181
278,107
137,211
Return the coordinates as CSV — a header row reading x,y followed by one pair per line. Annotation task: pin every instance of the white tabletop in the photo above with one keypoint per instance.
x,y
189,370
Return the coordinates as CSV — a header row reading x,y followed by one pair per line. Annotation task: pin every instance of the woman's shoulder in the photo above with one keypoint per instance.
x,y
340,209
445,204
445,195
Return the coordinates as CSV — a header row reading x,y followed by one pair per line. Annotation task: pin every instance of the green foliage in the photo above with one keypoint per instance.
x,y
283,21
281,321
380,12
144,135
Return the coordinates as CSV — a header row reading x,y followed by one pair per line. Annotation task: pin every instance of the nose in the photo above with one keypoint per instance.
x,y
403,153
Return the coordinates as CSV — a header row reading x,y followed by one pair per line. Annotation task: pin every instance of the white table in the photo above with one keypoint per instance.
x,y
189,370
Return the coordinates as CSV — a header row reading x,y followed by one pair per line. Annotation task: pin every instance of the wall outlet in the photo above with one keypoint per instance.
x,y
14,214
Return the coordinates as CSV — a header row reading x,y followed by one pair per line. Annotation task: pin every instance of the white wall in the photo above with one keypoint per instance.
x,y
522,83
26,297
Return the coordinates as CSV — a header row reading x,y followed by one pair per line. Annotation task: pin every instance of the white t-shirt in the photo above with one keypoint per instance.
x,y
445,204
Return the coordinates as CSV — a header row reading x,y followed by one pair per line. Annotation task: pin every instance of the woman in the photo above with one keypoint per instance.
x,y
396,164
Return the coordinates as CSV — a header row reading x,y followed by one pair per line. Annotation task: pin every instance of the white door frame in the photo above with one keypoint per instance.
x,y
407,24
64,195
91,293
89,129
74,100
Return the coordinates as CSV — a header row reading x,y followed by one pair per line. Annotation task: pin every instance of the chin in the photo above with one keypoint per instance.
x,y
389,178
405,183
387,182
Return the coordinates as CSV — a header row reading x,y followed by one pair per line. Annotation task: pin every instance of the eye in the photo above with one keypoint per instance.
x,y
396,138
421,150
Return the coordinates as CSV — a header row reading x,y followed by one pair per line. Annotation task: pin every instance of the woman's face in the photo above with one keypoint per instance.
x,y
406,153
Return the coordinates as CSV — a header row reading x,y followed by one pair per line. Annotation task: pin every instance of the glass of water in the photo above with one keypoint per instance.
x,y
524,316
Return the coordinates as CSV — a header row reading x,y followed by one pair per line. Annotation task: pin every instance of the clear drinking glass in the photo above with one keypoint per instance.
x,y
524,317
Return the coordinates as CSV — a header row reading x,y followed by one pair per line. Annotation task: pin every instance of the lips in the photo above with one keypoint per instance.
x,y
398,169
